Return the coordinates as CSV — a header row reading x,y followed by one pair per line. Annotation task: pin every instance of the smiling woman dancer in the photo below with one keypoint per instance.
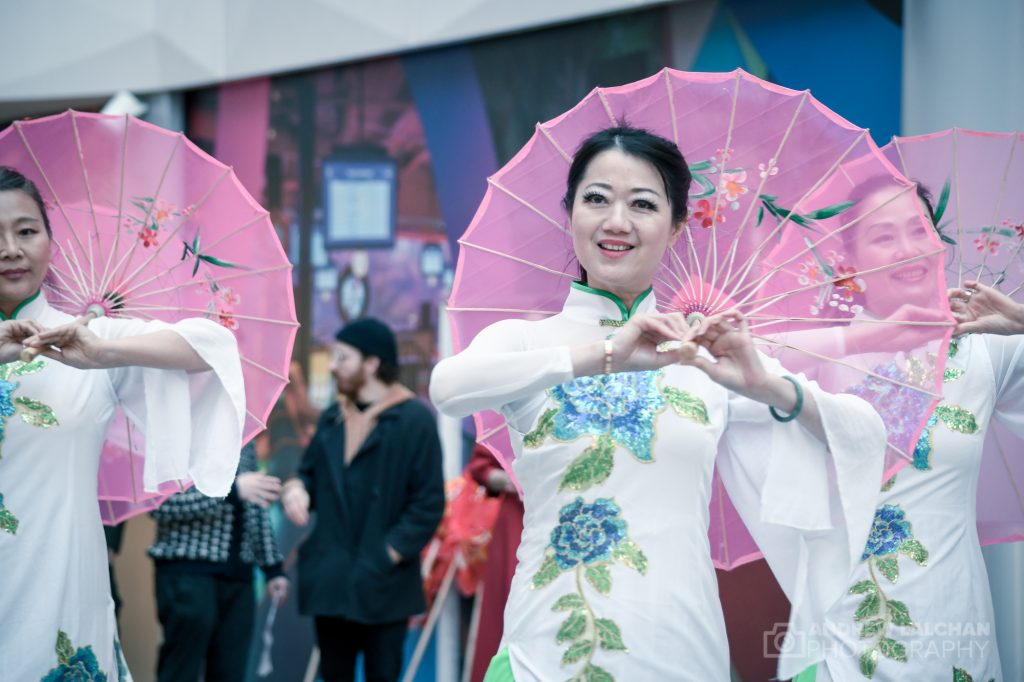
x,y
616,443
918,604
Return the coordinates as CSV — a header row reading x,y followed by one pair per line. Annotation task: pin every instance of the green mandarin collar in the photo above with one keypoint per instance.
x,y
21,306
606,306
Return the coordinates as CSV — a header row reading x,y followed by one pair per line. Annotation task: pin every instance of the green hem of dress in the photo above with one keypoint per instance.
x,y
500,669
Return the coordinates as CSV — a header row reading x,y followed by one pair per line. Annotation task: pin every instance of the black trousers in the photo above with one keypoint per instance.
x,y
341,640
207,623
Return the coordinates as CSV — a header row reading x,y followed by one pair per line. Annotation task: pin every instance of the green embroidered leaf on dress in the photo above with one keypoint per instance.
x,y
545,427
547,572
961,675
957,418
900,614
8,521
869,607
577,651
954,348
594,673
609,635
890,568
600,577
20,369
63,648
573,627
952,374
568,602
872,628
889,484
915,550
592,467
687,405
869,662
863,587
629,554
892,649
35,413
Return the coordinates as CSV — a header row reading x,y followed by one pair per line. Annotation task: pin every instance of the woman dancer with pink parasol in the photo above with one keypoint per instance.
x,y
181,383
615,578
962,487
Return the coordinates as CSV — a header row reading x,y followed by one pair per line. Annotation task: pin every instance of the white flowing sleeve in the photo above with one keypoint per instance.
x,y
809,505
1007,356
497,370
192,421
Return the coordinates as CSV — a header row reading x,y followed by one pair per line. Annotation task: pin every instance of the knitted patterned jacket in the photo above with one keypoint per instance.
x,y
190,525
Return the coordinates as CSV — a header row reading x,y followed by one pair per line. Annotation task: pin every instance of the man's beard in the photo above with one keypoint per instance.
x,y
351,386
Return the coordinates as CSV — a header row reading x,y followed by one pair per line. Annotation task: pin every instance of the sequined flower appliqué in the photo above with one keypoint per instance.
x,y
74,665
32,412
955,418
617,410
587,541
961,675
891,535
895,396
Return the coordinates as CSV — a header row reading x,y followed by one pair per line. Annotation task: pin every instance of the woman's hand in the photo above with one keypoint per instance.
x,y
12,334
72,344
635,346
892,336
736,365
979,309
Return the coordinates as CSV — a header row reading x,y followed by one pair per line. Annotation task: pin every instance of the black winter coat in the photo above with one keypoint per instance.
x,y
346,571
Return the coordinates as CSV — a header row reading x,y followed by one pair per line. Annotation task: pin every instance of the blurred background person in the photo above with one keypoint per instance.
x,y
204,552
373,474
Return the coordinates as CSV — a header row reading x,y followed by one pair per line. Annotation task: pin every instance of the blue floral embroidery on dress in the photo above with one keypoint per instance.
x,y
621,405
888,531
923,448
6,404
891,535
588,540
32,412
587,533
899,406
74,665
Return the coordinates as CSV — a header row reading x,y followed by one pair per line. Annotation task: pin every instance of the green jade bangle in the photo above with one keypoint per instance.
x,y
796,408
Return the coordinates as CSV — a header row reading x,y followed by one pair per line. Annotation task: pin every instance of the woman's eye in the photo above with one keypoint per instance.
x,y
645,205
593,198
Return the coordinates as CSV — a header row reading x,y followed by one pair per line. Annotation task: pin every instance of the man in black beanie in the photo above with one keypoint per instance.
x,y
373,475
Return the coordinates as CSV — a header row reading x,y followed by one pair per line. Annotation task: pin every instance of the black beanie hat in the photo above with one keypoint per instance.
x,y
371,337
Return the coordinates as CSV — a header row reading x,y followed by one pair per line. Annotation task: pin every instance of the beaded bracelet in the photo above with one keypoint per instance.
x,y
609,348
796,408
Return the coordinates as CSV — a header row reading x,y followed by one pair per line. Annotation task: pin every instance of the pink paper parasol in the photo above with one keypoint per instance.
x,y
977,182
770,202
147,225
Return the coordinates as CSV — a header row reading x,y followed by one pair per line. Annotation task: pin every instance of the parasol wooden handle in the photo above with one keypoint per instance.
x,y
94,311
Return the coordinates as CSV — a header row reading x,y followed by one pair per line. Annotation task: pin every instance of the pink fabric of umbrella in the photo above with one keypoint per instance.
x,y
147,225
770,201
977,182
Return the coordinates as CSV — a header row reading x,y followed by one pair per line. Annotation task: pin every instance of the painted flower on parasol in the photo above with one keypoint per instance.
x,y
148,226
774,173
